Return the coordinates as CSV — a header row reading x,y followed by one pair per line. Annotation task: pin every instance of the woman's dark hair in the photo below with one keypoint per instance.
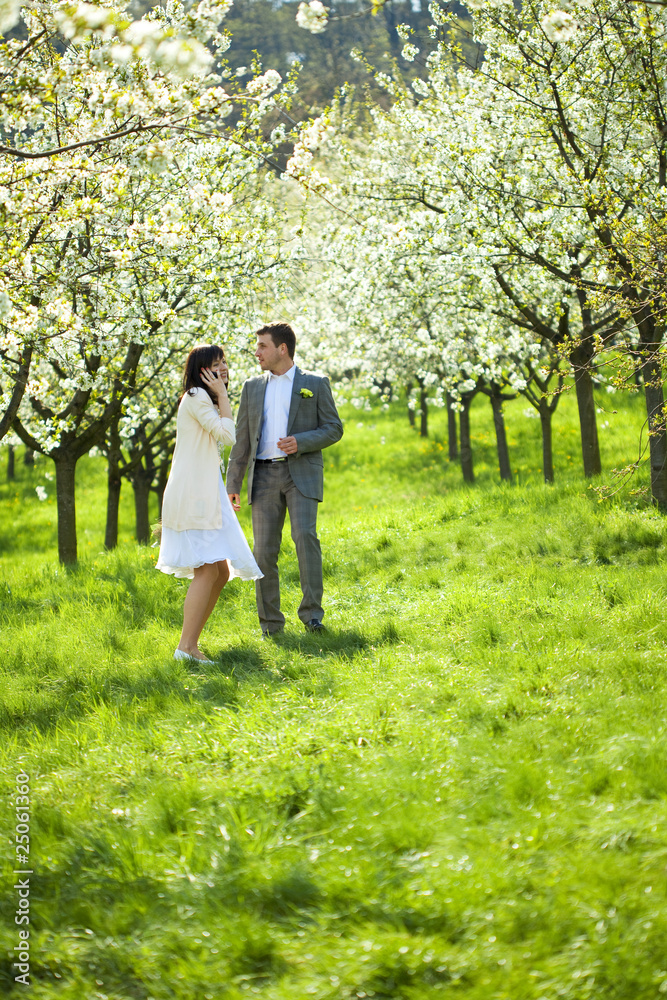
x,y
202,356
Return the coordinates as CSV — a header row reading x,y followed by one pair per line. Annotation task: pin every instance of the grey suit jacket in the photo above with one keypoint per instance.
x,y
313,421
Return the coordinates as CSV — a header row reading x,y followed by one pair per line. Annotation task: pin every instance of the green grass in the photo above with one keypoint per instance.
x,y
459,790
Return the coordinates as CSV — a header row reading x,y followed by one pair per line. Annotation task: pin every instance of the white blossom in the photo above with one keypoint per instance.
x,y
75,20
559,26
221,203
266,83
316,133
421,87
312,16
9,14
300,161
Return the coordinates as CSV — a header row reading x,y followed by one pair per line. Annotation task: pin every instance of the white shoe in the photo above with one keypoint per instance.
x,y
180,654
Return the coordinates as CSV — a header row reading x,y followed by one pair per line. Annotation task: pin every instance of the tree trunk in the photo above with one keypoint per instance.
x,y
29,457
452,436
142,491
501,438
113,488
161,484
11,471
651,336
390,21
466,446
411,412
423,405
65,496
113,507
655,401
590,446
547,443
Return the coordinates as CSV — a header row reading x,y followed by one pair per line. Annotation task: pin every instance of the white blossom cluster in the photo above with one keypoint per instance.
x,y
146,39
559,26
480,243
9,14
301,164
409,52
130,225
313,16
265,84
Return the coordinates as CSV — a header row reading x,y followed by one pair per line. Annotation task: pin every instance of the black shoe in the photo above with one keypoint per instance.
x,y
314,626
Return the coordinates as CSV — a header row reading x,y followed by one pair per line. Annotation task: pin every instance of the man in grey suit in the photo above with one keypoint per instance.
x,y
286,416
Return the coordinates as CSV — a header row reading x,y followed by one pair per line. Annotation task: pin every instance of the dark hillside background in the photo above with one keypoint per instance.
x,y
270,29
267,30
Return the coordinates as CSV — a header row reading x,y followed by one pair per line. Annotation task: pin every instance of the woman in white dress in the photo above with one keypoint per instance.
x,y
201,536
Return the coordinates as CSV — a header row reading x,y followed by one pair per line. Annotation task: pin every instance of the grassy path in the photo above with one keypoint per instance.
x,y
459,791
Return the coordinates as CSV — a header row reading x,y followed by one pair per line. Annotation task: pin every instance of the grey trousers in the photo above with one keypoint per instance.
x,y
273,492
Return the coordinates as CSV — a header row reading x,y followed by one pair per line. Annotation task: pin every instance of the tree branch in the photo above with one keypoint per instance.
x,y
17,393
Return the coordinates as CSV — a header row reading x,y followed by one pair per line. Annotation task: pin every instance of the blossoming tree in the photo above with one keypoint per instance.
x,y
128,210
545,165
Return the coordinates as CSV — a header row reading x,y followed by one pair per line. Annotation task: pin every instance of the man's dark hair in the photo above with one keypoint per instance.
x,y
280,333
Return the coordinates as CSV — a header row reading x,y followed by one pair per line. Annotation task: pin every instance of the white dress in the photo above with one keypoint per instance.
x,y
181,552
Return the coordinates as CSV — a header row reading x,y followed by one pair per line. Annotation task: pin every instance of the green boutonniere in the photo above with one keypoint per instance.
x,y
305,393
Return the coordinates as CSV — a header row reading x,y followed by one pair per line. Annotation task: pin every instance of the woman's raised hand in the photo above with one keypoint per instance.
x,y
216,380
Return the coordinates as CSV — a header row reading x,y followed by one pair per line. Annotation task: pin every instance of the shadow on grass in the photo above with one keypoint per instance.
x,y
52,700
243,660
287,656
234,669
240,660
337,643
350,640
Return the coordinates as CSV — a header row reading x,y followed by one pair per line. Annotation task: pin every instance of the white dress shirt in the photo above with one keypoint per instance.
x,y
277,399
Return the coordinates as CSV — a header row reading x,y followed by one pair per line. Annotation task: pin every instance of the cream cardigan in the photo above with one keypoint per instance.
x,y
192,498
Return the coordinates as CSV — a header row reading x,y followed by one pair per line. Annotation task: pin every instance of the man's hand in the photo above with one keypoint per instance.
x,y
288,445
235,500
